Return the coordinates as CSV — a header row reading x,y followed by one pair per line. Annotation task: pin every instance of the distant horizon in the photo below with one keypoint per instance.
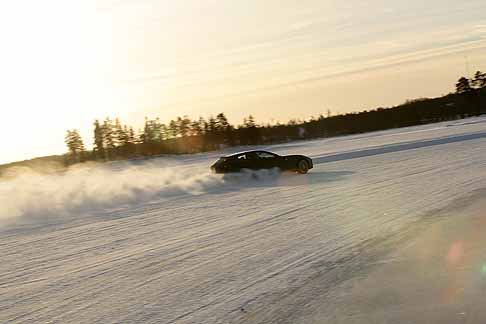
x,y
276,60
88,140
89,147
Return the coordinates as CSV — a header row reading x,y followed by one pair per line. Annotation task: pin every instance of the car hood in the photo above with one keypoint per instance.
x,y
219,162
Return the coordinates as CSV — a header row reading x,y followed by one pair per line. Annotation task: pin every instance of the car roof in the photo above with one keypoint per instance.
x,y
246,152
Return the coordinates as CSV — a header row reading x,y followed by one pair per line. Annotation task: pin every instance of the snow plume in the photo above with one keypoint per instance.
x,y
34,197
248,177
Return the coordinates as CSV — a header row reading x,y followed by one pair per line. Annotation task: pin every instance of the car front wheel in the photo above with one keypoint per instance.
x,y
302,167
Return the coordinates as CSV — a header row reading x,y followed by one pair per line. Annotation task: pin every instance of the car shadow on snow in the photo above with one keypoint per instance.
x,y
275,178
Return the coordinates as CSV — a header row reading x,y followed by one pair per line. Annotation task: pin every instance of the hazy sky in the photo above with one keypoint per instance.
x,y
64,63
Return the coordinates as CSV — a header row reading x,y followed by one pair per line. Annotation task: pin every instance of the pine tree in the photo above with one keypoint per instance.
x,y
109,138
140,136
224,130
221,123
144,135
75,145
249,122
157,131
463,85
131,136
120,134
479,81
202,125
212,125
196,128
99,148
205,126
151,131
183,125
250,133
173,129
164,133
124,137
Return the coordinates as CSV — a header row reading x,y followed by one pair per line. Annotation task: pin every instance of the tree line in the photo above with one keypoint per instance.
x,y
113,141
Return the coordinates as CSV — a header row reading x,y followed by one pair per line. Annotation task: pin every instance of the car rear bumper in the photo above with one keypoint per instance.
x,y
215,169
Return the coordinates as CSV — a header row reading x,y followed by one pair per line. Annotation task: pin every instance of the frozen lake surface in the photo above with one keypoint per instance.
x,y
165,241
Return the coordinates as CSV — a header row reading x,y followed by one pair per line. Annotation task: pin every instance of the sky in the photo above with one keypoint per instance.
x,y
64,63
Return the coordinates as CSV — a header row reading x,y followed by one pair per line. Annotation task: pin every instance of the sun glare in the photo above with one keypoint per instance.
x,y
65,63
53,65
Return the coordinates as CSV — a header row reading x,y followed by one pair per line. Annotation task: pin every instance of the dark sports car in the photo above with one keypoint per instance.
x,y
256,160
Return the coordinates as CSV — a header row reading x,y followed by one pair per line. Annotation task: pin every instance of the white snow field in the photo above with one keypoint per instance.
x,y
165,241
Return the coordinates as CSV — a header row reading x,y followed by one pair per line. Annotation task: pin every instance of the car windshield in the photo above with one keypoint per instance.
x,y
243,161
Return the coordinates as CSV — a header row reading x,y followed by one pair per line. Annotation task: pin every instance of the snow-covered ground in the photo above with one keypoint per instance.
x,y
164,241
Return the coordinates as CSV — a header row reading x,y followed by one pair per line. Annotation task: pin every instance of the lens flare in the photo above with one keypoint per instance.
x,y
483,269
455,254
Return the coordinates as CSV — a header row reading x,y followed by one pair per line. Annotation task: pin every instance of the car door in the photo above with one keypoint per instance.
x,y
253,162
267,160
240,162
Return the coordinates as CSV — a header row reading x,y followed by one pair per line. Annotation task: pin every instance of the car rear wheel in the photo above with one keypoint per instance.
x,y
302,167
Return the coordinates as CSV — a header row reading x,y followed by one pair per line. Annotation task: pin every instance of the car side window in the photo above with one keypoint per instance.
x,y
251,156
265,155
